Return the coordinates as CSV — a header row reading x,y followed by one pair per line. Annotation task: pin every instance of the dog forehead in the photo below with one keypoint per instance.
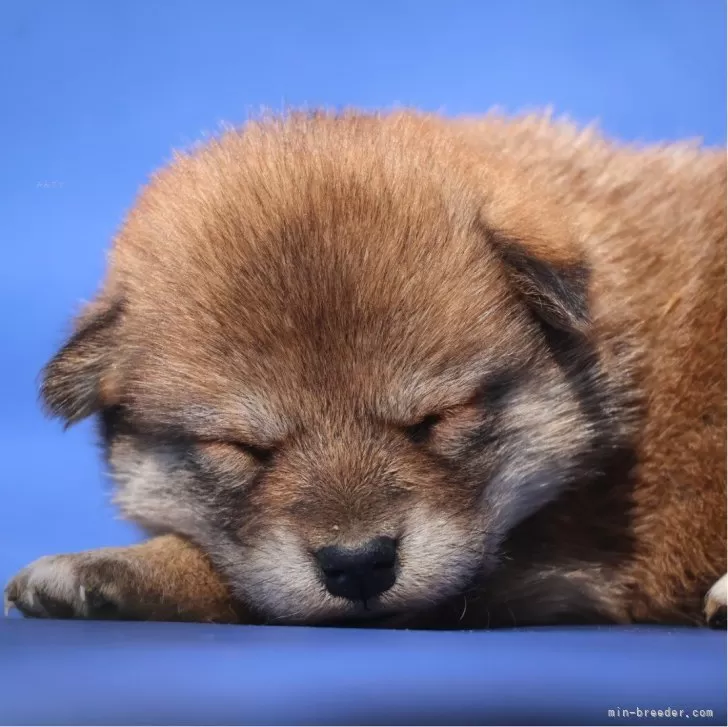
x,y
337,343
304,268
313,347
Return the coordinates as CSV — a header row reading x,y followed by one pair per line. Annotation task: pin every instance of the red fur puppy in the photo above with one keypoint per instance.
x,y
406,370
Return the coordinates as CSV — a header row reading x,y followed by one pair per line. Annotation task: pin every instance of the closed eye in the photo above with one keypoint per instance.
x,y
420,431
262,455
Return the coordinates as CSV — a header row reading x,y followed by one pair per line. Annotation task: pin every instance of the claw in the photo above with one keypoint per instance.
x,y
8,604
715,604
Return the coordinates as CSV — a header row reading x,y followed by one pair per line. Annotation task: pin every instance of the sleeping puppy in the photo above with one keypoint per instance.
x,y
402,370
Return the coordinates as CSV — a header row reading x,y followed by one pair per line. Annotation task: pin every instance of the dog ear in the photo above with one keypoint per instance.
x,y
79,380
556,290
541,253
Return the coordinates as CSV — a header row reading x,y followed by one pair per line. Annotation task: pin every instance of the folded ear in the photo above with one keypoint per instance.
x,y
556,290
541,254
79,380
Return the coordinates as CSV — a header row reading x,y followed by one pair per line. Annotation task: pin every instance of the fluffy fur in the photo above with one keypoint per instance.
x,y
500,342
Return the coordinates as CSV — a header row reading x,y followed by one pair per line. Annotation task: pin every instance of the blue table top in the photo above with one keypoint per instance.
x,y
56,672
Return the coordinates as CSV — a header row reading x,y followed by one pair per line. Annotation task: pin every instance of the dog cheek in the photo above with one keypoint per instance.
x,y
545,436
272,571
154,489
440,552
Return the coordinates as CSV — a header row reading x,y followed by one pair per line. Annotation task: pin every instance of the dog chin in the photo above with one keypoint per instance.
x,y
383,612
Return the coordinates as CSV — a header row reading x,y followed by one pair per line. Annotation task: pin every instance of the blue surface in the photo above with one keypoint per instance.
x,y
94,96
98,673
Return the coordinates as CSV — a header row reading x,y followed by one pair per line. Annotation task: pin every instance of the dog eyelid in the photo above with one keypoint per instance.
x,y
257,452
421,430
262,454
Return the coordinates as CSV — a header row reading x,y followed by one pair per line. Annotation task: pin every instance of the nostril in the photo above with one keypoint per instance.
x,y
383,552
334,573
384,563
383,566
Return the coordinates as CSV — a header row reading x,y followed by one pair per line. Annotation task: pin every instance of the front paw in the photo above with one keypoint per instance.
x,y
715,604
79,585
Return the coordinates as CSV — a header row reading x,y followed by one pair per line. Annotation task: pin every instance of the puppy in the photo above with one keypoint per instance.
x,y
411,371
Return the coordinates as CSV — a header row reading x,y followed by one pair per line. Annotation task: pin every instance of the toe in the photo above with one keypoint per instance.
x,y
715,604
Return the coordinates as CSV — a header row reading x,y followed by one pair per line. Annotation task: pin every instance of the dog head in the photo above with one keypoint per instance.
x,y
337,352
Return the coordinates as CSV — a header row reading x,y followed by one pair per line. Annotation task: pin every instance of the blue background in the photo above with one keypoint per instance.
x,y
95,95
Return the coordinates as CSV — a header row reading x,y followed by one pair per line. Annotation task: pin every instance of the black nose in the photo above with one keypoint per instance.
x,y
359,574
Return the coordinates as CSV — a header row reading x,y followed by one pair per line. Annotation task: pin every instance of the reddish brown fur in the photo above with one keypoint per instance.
x,y
654,221
319,283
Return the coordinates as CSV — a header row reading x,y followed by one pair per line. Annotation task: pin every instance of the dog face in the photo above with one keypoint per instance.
x,y
338,354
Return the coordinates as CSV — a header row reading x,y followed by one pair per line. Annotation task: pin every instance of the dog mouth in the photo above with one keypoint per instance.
x,y
361,614
377,616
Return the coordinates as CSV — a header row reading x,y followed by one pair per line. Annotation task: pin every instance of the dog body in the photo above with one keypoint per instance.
x,y
448,373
